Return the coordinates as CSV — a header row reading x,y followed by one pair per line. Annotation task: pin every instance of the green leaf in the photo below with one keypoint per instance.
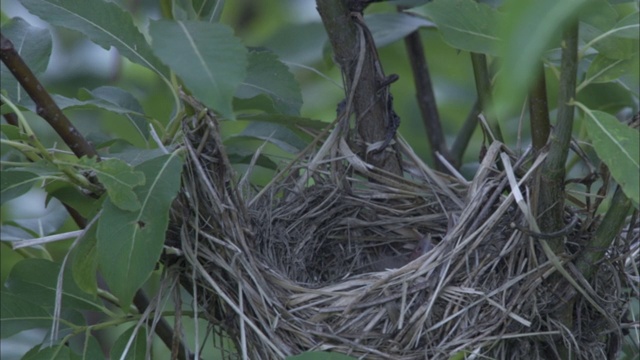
x,y
130,242
104,23
85,262
207,57
138,348
118,179
608,43
242,158
13,132
91,349
299,43
464,24
536,23
18,314
610,97
34,46
15,183
48,353
387,28
279,135
208,10
120,102
36,280
628,27
604,69
70,195
619,147
136,156
267,75
286,120
599,13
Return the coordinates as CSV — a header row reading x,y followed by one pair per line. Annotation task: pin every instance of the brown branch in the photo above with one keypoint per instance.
x,y
607,231
371,109
162,329
464,134
426,98
551,202
45,106
539,111
483,87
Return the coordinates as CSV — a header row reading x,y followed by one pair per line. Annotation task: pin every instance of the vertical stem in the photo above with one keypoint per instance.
x,y
539,111
370,111
464,134
483,87
426,98
551,202
609,228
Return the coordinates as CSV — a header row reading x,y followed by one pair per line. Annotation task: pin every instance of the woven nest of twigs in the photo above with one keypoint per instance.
x,y
288,268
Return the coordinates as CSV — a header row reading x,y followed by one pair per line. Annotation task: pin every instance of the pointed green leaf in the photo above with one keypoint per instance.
x,y
34,46
267,75
118,179
279,135
207,57
121,102
104,23
289,121
628,27
130,242
240,157
599,13
40,352
138,348
604,69
36,280
607,41
608,97
619,147
464,24
85,262
14,184
298,43
18,314
91,349
387,28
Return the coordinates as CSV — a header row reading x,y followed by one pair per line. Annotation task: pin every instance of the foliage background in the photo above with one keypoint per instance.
x,y
292,29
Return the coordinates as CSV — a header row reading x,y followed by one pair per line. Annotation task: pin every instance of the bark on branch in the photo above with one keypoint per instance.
x,y
370,103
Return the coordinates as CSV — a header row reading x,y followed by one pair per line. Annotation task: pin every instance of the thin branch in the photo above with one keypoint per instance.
x,y
45,106
483,88
609,228
464,134
426,98
551,201
539,111
162,329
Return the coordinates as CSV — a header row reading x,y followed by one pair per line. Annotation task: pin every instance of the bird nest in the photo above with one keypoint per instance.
x,y
292,267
